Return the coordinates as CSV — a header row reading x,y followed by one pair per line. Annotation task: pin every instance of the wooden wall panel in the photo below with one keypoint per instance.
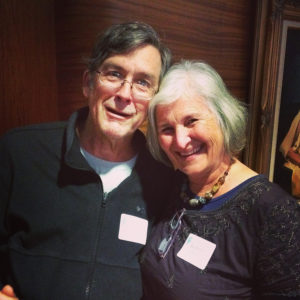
x,y
219,32
43,43
27,57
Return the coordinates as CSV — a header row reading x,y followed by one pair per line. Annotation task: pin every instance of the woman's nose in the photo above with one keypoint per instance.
x,y
182,138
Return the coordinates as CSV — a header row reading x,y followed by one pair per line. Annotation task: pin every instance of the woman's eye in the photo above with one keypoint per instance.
x,y
191,121
166,130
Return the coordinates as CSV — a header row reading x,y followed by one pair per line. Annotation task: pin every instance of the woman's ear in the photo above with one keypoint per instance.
x,y
86,83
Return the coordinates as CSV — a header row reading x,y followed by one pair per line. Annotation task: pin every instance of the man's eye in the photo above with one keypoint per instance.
x,y
143,83
113,74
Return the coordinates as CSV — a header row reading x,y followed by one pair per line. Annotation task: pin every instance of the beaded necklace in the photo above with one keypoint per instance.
x,y
195,200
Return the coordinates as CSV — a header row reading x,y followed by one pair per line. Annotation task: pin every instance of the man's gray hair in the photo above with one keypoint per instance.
x,y
196,78
123,38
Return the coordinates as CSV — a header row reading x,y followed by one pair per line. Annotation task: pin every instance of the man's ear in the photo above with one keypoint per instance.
x,y
86,83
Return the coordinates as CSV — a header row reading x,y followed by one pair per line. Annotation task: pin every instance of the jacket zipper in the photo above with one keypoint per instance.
x,y
99,226
104,200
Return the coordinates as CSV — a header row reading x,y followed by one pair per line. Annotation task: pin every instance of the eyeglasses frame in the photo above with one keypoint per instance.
x,y
122,82
166,243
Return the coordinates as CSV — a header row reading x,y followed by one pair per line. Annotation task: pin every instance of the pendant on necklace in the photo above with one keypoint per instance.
x,y
198,201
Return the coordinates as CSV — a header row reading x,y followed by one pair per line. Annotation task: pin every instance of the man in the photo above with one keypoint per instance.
x,y
76,196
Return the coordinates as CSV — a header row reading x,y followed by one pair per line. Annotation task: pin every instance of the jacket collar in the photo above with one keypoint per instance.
x,y
73,157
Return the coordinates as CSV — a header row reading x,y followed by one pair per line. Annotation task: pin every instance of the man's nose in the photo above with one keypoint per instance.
x,y
125,91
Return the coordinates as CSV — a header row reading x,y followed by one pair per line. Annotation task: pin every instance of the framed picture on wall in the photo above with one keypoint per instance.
x,y
285,151
274,97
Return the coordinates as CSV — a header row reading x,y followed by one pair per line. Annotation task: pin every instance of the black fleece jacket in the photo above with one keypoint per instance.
x,y
58,231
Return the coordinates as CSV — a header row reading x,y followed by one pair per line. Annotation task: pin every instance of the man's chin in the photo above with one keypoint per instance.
x,y
117,129
119,132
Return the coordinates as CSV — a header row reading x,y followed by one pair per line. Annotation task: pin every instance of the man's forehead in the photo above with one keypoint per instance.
x,y
145,60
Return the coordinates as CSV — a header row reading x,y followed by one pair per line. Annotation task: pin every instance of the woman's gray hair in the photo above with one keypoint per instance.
x,y
123,38
196,78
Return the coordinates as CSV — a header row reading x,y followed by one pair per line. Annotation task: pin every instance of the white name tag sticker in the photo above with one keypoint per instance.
x,y
133,229
197,251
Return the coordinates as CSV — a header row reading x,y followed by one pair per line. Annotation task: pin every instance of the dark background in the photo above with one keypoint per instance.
x,y
290,103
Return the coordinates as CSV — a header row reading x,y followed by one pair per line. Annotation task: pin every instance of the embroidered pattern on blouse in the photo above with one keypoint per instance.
x,y
210,224
280,226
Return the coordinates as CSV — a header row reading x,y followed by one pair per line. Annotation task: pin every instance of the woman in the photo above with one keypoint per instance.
x,y
229,233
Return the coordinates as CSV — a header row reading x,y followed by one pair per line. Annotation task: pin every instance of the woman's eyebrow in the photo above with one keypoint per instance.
x,y
163,123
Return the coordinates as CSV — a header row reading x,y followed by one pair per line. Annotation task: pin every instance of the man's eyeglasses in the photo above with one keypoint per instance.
x,y
141,89
167,242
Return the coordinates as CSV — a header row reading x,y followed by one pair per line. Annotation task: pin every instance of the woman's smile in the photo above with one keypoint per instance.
x,y
190,135
188,153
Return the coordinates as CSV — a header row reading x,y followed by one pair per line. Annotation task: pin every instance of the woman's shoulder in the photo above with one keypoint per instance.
x,y
255,184
267,200
239,173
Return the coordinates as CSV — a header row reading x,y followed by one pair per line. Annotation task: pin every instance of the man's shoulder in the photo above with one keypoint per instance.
x,y
26,135
35,129
146,161
147,165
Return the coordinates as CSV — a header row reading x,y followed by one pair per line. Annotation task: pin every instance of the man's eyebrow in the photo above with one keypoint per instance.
x,y
113,66
145,75
117,67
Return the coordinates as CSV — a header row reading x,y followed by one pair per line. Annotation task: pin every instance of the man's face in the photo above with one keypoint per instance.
x,y
116,113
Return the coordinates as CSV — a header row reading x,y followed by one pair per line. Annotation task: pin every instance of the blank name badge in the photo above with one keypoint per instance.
x,y
197,251
133,229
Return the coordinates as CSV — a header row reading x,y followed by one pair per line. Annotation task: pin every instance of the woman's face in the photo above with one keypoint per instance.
x,y
190,135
